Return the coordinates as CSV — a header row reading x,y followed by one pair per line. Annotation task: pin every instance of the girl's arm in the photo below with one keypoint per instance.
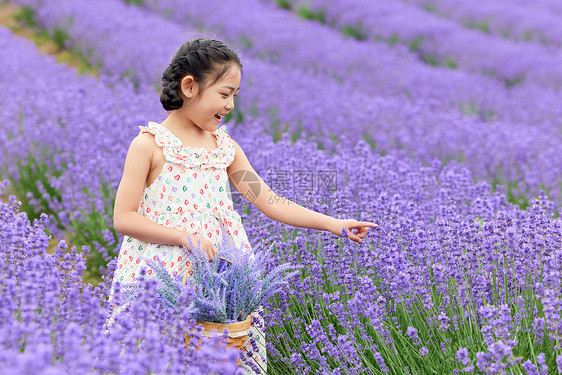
x,y
126,219
286,211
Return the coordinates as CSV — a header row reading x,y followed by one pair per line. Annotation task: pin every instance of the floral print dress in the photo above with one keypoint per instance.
x,y
191,193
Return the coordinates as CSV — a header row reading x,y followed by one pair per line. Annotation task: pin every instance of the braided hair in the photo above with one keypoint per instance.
x,y
207,60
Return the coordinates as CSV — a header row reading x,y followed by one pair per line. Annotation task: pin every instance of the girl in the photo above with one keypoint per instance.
x,y
176,176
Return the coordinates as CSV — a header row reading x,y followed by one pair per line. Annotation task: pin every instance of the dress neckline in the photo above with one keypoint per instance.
x,y
216,133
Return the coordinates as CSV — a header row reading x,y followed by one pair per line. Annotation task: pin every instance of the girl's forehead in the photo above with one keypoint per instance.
x,y
231,78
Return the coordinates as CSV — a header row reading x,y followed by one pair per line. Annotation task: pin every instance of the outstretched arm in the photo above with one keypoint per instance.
x,y
284,210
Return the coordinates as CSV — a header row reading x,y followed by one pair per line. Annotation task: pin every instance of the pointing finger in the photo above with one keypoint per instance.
x,y
367,224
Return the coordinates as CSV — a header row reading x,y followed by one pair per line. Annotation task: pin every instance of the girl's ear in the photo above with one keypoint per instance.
x,y
188,86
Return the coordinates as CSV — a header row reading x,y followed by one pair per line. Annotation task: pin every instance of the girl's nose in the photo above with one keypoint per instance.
x,y
230,105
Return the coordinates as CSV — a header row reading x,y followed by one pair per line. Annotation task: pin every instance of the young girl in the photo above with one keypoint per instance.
x,y
176,176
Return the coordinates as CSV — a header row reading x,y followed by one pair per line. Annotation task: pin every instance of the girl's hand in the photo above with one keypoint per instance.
x,y
349,224
206,245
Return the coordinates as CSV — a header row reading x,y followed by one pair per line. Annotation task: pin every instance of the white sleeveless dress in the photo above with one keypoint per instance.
x,y
191,193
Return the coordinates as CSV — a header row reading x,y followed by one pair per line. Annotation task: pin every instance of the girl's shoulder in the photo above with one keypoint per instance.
x,y
141,152
152,128
144,143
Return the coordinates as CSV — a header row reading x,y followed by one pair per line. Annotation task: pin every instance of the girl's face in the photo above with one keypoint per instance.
x,y
208,109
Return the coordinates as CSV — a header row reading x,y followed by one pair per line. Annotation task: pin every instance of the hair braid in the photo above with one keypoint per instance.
x,y
201,58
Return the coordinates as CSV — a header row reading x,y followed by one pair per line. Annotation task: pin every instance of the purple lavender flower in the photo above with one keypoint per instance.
x,y
413,333
462,356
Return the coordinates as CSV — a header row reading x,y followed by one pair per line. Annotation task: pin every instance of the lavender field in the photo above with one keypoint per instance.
x,y
438,121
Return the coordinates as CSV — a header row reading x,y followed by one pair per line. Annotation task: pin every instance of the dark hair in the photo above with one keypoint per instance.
x,y
201,58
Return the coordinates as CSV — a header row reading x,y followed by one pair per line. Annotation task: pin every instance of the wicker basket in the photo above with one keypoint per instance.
x,y
237,332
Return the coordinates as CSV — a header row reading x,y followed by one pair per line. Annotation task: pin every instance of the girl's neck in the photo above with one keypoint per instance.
x,y
177,123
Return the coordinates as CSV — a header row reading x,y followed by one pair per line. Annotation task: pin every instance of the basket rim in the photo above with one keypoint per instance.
x,y
231,327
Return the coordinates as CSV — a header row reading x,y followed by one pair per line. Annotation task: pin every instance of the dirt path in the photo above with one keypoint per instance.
x,y
9,18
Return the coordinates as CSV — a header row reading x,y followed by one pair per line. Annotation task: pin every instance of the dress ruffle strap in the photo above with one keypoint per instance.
x,y
188,156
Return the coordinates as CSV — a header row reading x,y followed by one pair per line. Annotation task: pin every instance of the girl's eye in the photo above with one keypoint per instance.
x,y
225,95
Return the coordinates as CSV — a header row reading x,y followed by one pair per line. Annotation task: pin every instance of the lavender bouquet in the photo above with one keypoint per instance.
x,y
225,290
235,283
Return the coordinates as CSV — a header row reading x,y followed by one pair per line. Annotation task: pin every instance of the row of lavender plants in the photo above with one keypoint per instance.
x,y
441,42
281,35
278,36
552,6
54,323
421,130
502,18
63,151
426,214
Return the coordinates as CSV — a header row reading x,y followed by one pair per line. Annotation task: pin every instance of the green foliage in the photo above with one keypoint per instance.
x,y
35,173
76,56
309,14
393,40
509,83
471,109
279,132
515,197
284,4
236,116
482,26
60,37
354,32
276,127
239,117
334,138
88,229
135,2
450,63
433,60
245,43
468,109
415,44
26,16
369,139
430,59
430,8
130,74
528,36
296,135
